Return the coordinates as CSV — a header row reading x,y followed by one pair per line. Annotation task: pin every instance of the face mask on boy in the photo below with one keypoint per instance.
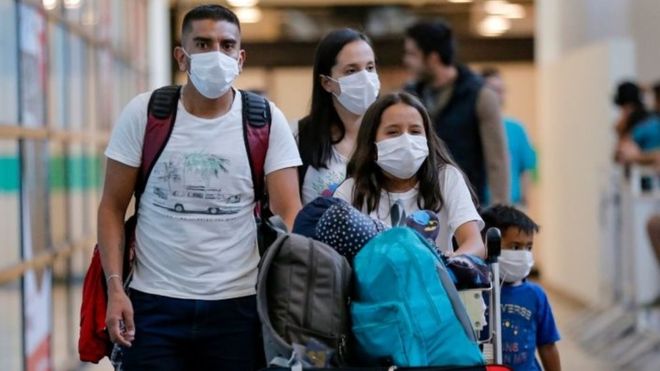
x,y
358,91
212,73
402,156
515,265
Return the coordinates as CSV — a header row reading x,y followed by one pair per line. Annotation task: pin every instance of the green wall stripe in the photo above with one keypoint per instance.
x,y
77,173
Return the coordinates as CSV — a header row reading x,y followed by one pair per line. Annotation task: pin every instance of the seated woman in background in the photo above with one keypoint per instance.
x,y
399,159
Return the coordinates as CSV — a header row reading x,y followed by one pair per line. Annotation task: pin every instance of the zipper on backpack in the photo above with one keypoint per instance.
x,y
310,280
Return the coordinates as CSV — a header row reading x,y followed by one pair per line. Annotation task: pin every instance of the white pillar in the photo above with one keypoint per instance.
x,y
159,41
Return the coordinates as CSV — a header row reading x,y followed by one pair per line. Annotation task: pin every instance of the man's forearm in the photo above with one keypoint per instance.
x,y
111,246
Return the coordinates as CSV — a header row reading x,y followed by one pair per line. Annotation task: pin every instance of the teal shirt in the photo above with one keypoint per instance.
x,y
647,134
522,157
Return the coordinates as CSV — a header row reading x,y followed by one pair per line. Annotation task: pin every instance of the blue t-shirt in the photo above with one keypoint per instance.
x,y
522,157
647,134
527,323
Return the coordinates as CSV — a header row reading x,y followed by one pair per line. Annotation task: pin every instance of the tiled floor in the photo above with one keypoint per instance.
x,y
572,356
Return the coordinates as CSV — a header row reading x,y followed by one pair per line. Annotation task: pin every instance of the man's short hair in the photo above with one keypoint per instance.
x,y
504,217
213,12
434,37
489,72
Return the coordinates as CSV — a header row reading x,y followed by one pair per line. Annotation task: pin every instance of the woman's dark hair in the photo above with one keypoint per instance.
x,y
369,178
315,130
629,93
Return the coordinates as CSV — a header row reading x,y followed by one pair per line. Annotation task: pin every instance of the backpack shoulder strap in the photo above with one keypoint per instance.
x,y
161,115
256,131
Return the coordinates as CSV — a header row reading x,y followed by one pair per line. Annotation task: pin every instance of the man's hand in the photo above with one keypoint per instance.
x,y
119,318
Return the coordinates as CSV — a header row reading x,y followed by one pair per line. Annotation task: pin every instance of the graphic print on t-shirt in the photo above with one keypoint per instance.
x,y
189,183
328,181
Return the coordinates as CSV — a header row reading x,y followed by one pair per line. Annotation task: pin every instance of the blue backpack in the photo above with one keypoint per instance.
x,y
405,310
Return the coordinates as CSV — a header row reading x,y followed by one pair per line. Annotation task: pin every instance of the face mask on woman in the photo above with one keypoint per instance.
x,y
358,91
402,156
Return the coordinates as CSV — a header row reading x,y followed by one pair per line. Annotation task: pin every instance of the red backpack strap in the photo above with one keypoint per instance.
x,y
161,115
256,131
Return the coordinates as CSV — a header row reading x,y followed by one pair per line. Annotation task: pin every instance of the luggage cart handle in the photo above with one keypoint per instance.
x,y
493,244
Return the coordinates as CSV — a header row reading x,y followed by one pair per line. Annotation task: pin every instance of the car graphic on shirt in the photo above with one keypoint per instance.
x,y
197,200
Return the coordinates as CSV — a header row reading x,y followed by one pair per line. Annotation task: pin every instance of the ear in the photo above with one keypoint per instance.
x,y
329,85
434,59
241,59
181,59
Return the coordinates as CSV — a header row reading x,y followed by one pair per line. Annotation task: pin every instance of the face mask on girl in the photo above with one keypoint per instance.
x,y
515,265
358,91
402,156
212,73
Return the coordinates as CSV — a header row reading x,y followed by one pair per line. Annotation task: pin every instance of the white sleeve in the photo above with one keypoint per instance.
x,y
457,200
125,144
345,191
282,148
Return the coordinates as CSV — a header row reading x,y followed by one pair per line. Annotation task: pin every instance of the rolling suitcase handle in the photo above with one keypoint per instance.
x,y
494,248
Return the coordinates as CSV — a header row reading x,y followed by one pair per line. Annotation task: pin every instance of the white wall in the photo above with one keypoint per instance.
x,y
575,127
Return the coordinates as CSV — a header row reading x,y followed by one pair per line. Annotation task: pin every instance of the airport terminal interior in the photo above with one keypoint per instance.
x,y
68,67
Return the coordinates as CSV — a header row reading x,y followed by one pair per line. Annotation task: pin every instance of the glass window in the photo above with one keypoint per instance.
x,y
58,76
33,65
8,64
10,181
11,325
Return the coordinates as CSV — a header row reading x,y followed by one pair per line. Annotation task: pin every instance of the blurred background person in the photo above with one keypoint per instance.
x,y
466,115
522,157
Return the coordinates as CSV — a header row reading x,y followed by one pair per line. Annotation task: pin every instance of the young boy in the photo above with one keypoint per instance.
x,y
527,321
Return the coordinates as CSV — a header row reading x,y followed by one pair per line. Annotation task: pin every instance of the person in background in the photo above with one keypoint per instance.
x,y
641,144
628,98
345,84
527,321
522,156
466,115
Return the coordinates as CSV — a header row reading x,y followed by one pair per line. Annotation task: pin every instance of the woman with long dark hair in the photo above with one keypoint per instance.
x,y
345,84
399,159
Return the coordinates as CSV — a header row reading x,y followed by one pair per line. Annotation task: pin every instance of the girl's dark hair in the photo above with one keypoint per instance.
x,y
629,93
369,178
315,130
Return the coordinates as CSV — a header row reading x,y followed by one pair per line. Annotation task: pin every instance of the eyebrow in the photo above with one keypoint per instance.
x,y
203,39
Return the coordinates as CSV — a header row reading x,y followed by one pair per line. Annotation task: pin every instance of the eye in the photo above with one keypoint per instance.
x,y
201,44
350,71
228,45
371,68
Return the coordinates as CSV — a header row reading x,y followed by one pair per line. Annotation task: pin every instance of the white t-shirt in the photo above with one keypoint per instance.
x,y
196,233
324,181
457,208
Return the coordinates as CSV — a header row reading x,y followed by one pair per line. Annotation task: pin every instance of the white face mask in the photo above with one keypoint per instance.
x,y
402,156
212,73
358,91
515,265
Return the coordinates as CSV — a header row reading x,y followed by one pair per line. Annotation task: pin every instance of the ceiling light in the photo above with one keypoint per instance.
x,y
494,25
505,9
243,3
49,4
459,1
72,4
248,15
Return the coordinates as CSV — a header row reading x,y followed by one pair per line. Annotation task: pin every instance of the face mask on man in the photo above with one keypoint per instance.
x,y
402,156
515,265
358,91
212,73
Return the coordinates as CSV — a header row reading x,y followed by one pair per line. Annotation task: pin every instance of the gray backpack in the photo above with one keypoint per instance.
x,y
302,299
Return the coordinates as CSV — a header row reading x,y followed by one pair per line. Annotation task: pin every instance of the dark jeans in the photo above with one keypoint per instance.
x,y
179,334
